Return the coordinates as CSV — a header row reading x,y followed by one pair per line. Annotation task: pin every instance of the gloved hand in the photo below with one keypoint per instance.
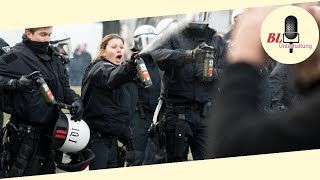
x,y
77,115
197,54
21,84
131,61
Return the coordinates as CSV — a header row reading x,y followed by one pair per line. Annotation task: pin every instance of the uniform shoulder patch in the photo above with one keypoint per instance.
x,y
9,57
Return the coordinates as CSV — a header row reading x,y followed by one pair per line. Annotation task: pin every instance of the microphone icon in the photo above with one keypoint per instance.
x,y
291,30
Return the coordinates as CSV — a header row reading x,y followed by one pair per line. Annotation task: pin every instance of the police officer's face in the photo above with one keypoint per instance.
x,y
40,35
114,51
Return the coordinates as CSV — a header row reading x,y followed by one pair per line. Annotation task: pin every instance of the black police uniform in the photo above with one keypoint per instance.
x,y
31,152
142,117
4,47
186,96
107,109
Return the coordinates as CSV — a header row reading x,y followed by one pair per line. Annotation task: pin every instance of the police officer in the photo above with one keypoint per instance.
x,y
108,101
185,93
28,150
147,97
4,47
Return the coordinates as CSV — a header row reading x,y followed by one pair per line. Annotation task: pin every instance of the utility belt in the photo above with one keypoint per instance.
x,y
99,134
19,142
187,105
195,106
19,131
32,127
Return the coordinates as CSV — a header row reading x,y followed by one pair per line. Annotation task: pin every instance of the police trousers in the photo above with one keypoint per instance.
x,y
185,128
105,149
140,124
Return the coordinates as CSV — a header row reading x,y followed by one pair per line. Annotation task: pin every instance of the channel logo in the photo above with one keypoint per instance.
x,y
289,34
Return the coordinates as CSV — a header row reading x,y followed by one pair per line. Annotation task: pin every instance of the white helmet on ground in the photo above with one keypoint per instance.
x,y
143,36
69,135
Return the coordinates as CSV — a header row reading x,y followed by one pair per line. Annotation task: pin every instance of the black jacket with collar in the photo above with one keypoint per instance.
x,y
29,105
106,96
182,79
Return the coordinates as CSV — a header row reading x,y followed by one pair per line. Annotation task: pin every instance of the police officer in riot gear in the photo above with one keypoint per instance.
x,y
27,146
147,97
185,94
4,47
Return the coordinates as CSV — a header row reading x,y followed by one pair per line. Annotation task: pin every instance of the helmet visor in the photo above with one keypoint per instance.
x,y
144,40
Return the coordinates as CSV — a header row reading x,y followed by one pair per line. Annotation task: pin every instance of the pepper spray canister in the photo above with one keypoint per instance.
x,y
45,90
208,63
42,87
143,72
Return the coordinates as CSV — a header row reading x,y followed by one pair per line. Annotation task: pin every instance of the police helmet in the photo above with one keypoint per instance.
x,y
69,135
143,36
62,43
78,163
164,24
200,17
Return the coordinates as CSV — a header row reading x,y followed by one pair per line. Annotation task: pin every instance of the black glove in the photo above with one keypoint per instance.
x,y
131,61
197,54
78,110
21,84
